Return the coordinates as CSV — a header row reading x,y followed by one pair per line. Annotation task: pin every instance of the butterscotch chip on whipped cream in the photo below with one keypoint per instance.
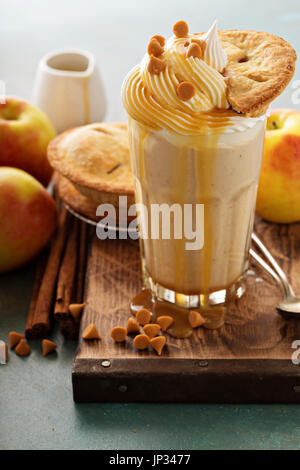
x,y
154,48
158,344
165,322
119,334
48,346
143,316
23,349
14,339
91,332
156,66
196,320
180,29
132,326
185,91
201,43
194,50
141,342
152,330
160,39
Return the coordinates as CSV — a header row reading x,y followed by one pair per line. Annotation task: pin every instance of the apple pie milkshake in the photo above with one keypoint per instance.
x,y
189,147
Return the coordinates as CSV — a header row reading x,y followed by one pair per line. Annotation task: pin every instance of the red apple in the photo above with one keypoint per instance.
x,y
28,218
25,132
279,187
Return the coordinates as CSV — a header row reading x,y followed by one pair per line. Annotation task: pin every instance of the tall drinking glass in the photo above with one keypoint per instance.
x,y
218,174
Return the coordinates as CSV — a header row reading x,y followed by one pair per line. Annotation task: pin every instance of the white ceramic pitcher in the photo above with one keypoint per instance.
x,y
68,87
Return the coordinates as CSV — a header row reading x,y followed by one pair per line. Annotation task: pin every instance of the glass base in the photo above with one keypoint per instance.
x,y
212,306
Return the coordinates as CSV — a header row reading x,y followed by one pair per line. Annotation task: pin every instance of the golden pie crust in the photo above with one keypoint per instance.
x,y
82,204
95,158
260,66
79,203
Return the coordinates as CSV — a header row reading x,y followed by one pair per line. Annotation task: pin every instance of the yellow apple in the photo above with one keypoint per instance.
x,y
25,132
28,218
279,187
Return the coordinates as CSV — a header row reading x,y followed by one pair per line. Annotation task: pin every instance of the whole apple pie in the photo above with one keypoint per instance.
x,y
93,166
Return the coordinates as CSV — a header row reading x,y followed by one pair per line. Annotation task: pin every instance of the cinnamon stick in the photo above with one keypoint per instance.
x,y
69,327
66,278
41,321
81,267
39,272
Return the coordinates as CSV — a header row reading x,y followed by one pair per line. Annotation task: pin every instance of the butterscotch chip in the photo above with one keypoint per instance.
x,y
194,50
156,66
76,310
141,342
143,316
14,339
160,39
118,334
48,346
186,91
196,319
132,326
152,330
23,349
181,29
200,43
154,48
158,344
91,332
186,44
165,322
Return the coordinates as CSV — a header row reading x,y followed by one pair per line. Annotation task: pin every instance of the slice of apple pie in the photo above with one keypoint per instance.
x,y
260,66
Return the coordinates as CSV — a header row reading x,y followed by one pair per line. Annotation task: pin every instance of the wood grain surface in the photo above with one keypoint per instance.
x,y
254,333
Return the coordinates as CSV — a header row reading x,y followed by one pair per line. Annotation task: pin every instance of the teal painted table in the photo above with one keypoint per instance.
x,y
36,407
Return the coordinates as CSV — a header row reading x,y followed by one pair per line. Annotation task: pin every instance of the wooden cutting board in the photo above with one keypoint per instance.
x,y
249,360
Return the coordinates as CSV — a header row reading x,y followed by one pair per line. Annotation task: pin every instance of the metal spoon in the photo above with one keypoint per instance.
x,y
290,303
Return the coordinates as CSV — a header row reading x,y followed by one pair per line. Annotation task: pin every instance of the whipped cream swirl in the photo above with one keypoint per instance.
x,y
214,55
152,99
